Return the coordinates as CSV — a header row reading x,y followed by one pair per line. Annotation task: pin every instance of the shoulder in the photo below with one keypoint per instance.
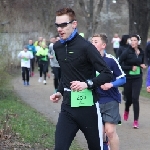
x,y
110,58
21,52
57,44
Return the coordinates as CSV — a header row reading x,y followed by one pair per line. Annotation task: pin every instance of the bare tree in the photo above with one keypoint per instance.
x,y
91,10
139,18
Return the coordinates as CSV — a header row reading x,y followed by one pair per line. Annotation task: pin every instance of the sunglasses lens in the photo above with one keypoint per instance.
x,y
61,25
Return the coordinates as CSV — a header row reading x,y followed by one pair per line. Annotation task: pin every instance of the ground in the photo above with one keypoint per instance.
x,y
37,96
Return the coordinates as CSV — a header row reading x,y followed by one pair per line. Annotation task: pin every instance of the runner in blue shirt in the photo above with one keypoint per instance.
x,y
32,49
109,95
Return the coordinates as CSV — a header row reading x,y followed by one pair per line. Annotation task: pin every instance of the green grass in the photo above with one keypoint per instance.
x,y
144,93
32,127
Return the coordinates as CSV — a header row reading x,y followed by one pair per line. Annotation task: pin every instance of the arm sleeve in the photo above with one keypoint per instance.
x,y
34,50
99,64
116,68
119,82
60,87
19,55
148,78
122,58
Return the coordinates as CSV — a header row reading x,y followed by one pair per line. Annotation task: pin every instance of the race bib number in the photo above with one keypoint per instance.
x,y
136,72
81,98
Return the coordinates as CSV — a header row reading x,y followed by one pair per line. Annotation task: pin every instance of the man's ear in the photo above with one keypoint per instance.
x,y
74,24
104,45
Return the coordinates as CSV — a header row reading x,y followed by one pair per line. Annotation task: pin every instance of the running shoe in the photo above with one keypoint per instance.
x,y
40,79
28,84
32,74
126,115
48,75
135,124
105,146
24,83
44,82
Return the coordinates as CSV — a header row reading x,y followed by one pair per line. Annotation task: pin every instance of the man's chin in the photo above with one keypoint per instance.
x,y
64,38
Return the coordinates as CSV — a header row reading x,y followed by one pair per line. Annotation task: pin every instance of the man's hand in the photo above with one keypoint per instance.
x,y
78,86
55,97
148,89
107,86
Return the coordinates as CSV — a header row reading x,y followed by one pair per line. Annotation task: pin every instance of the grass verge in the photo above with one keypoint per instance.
x,y
32,127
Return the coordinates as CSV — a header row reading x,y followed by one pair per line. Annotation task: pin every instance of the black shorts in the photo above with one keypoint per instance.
x,y
110,112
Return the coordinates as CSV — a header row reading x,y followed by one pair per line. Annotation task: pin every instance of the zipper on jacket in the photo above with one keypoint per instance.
x,y
66,51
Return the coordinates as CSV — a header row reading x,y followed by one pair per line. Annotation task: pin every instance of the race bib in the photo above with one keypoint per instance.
x,y
25,59
136,72
81,98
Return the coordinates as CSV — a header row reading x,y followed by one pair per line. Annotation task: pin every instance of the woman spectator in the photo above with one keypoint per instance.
x,y
132,62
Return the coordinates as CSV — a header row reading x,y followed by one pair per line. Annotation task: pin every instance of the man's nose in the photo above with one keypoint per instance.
x,y
59,29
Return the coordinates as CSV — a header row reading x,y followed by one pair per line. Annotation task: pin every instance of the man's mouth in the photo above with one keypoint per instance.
x,y
61,34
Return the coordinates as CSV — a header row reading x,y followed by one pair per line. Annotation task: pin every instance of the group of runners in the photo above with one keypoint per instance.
x,y
87,78
40,53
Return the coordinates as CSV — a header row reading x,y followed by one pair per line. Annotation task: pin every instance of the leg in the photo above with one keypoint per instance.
x,y
41,68
45,68
33,63
128,94
30,67
27,74
66,130
59,74
137,84
56,80
88,123
23,73
112,135
111,117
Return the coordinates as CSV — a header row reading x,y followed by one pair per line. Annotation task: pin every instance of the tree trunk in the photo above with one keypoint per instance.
x,y
139,18
91,11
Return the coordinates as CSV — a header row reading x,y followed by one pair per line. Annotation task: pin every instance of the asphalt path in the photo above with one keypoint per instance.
x,y
37,96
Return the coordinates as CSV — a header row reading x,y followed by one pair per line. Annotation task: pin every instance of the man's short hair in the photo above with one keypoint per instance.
x,y
66,11
103,37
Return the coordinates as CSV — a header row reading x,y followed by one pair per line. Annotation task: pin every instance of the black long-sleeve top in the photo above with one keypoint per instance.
x,y
122,49
78,60
128,59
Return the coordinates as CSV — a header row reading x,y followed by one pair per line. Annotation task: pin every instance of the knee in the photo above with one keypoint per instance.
x,y
110,132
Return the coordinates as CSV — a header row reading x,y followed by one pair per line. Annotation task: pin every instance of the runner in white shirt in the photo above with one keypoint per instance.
x,y
116,43
25,56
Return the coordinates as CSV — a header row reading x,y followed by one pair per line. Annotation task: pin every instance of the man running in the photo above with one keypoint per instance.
x,y
109,95
25,56
32,49
78,60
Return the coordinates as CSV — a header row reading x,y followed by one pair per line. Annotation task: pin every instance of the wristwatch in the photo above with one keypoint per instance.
x,y
89,84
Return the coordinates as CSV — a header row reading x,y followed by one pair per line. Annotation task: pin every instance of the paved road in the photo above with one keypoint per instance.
x,y
37,96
